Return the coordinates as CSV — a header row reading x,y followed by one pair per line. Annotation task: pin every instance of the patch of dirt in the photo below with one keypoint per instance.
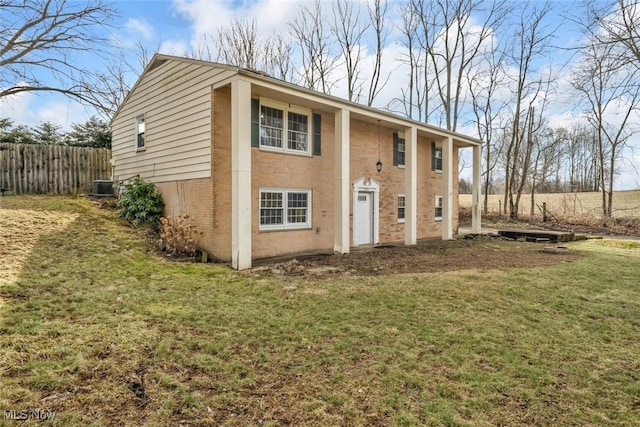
x,y
107,203
429,256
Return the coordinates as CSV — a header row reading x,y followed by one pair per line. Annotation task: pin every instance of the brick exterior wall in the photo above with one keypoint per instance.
x,y
208,201
364,155
179,199
288,171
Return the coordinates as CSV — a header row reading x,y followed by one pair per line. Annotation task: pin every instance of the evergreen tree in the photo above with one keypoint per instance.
x,y
15,134
47,134
93,133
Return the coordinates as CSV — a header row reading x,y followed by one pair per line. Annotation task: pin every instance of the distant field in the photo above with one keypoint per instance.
x,y
566,205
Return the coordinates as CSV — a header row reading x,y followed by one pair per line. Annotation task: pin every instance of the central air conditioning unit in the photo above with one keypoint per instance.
x,y
102,188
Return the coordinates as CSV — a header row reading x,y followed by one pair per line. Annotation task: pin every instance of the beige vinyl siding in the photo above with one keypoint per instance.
x,y
175,98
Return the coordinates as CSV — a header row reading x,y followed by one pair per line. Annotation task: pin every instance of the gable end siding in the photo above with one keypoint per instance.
x,y
175,98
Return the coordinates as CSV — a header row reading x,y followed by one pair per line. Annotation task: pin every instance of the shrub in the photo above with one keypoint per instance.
x,y
178,236
141,203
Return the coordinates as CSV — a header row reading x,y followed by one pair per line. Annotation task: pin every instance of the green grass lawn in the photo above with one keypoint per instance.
x,y
101,331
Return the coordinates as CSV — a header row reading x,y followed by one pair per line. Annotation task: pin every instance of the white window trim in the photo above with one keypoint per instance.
x,y
401,220
285,225
136,132
286,109
438,148
438,198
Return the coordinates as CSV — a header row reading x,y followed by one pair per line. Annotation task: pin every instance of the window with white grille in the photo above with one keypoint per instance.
x,y
284,209
284,128
401,207
438,212
140,131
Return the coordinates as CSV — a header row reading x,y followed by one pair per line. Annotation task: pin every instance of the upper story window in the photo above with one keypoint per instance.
x,y
140,142
436,157
399,148
284,128
271,122
298,135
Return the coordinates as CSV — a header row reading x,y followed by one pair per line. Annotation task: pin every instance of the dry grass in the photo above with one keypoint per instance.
x,y
99,330
569,205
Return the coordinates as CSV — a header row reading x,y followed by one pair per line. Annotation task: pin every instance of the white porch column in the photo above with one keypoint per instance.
x,y
410,186
341,214
240,174
476,203
447,189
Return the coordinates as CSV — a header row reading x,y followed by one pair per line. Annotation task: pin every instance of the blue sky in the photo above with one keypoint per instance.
x,y
173,27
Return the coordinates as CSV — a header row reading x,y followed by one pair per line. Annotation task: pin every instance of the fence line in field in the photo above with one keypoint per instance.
x,y
52,169
566,205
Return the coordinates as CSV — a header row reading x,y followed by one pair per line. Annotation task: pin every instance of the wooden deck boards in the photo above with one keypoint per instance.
x,y
540,235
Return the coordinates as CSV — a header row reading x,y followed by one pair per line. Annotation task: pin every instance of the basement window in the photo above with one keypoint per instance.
x,y
438,213
401,208
284,209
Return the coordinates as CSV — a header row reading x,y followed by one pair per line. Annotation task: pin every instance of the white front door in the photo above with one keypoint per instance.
x,y
363,219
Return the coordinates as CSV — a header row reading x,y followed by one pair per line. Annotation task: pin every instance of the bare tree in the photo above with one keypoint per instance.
x,y
453,42
484,83
239,44
39,41
529,143
612,94
377,13
531,41
348,31
309,29
546,150
278,57
105,89
583,172
408,27
615,23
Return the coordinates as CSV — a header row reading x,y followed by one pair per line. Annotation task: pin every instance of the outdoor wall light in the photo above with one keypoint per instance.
x,y
379,165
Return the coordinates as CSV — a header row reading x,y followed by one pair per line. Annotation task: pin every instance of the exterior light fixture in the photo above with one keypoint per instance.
x,y
379,163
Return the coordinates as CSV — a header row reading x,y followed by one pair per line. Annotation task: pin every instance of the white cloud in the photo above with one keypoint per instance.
x,y
27,108
174,47
208,16
139,28
17,108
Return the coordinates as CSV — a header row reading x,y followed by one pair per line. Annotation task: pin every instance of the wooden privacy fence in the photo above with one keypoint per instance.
x,y
52,169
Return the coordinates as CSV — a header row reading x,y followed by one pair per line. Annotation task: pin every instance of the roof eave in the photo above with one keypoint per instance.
x,y
361,108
